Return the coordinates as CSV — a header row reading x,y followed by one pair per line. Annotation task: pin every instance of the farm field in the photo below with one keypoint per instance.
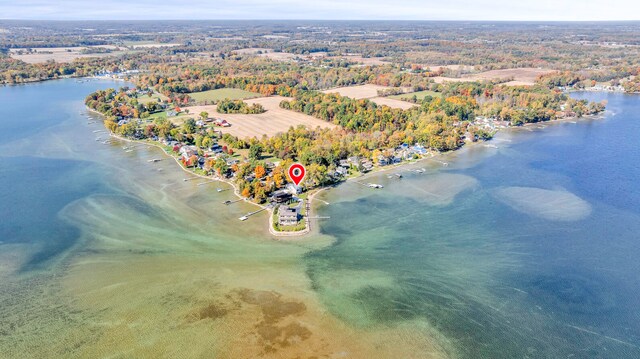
x,y
393,103
357,92
517,76
420,95
273,121
59,54
366,61
221,94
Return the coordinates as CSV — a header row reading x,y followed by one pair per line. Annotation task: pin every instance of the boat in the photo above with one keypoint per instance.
x,y
375,185
243,218
398,175
219,190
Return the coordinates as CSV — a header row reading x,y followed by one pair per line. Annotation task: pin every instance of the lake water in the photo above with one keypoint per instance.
x,y
526,248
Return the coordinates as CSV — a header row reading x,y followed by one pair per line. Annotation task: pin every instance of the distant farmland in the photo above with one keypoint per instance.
x,y
212,96
419,95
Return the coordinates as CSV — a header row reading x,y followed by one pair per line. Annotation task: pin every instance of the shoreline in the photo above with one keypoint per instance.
x,y
311,195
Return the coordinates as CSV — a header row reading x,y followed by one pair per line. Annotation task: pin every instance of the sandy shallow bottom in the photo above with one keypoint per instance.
x,y
554,205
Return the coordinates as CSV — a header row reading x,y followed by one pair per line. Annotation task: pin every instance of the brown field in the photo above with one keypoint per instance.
x,y
252,50
393,103
433,67
514,77
58,54
367,61
145,46
273,121
286,56
357,92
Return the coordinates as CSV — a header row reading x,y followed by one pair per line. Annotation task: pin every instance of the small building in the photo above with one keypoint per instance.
x,y
221,122
382,160
287,216
216,148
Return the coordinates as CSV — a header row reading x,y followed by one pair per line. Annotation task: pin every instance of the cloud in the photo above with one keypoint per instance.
x,y
327,9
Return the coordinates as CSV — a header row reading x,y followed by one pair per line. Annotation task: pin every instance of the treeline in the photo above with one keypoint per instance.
x,y
239,106
271,78
14,71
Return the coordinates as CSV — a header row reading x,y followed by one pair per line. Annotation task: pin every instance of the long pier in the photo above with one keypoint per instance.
x,y
246,216
228,202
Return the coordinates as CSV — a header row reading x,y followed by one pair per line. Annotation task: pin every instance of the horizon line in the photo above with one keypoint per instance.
x,y
341,20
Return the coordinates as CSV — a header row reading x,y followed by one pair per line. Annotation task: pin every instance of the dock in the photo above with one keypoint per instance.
x,y
246,216
228,202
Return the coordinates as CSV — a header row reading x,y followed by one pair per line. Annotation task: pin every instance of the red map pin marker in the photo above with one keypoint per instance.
x,y
297,172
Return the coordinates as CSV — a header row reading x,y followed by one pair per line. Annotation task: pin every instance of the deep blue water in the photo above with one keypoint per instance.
x,y
498,282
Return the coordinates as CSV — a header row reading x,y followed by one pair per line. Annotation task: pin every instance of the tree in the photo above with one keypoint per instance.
x,y
189,126
260,171
246,192
111,125
207,142
255,151
204,115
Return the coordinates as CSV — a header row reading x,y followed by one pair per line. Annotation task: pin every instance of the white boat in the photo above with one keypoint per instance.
x,y
243,218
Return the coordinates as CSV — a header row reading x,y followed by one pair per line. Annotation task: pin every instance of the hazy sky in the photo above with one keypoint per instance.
x,y
322,9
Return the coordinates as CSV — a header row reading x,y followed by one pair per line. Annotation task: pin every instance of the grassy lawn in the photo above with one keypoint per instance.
x,y
221,94
154,98
177,120
420,95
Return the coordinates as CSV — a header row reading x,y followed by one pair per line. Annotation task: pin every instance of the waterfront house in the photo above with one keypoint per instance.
x,y
281,196
342,171
287,216
187,151
293,189
420,149
367,166
354,160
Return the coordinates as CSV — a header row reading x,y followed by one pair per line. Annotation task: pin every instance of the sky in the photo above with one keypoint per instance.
x,y
510,10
